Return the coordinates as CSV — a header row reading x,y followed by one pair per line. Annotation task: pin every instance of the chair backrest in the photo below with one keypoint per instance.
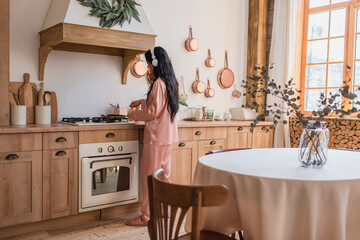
x,y
348,149
225,150
167,201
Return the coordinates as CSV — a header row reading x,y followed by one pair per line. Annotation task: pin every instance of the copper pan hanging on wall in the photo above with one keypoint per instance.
x,y
191,44
198,86
139,68
226,76
209,92
210,62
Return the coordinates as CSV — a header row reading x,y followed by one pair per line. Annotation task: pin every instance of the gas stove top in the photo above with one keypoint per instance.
x,y
103,120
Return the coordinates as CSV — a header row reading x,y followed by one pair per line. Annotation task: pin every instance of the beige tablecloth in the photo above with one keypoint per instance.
x,y
271,197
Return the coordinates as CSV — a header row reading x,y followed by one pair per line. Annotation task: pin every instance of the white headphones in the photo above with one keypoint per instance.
x,y
154,61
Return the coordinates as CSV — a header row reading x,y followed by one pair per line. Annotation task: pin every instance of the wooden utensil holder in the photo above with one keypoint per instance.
x,y
18,115
42,114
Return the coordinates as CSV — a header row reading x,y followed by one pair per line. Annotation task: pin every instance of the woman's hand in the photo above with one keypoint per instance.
x,y
135,103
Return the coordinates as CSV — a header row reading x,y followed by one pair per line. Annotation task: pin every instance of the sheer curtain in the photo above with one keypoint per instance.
x,y
283,55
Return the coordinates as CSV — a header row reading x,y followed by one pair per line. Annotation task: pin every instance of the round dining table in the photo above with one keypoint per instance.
x,y
272,197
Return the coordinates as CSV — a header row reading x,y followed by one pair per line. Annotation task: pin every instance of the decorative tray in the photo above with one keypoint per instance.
x,y
195,119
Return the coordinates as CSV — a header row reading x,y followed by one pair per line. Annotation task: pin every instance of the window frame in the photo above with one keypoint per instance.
x,y
349,46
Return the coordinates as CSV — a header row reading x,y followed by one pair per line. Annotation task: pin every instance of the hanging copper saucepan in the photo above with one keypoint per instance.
x,y
209,92
210,62
226,76
236,93
198,86
191,44
139,68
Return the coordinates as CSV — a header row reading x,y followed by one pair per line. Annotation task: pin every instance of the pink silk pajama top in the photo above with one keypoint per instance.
x,y
159,129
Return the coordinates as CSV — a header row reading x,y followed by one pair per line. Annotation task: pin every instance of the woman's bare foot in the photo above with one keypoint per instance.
x,y
137,221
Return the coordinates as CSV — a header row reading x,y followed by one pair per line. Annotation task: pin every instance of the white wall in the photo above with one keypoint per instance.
x,y
86,83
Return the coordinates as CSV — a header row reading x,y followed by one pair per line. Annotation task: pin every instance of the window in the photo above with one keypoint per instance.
x,y
331,41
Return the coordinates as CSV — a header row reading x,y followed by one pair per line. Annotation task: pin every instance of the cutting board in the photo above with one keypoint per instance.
x,y
28,97
54,107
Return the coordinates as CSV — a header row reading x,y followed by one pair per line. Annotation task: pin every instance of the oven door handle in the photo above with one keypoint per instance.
x,y
109,160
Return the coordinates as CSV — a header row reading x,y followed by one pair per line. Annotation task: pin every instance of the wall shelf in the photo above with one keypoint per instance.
x,y
85,39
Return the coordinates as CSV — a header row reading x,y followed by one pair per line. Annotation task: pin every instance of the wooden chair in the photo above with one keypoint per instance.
x,y
348,149
229,150
225,150
167,198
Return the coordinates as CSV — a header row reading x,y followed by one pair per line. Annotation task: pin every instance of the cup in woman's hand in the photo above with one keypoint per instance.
x,y
135,104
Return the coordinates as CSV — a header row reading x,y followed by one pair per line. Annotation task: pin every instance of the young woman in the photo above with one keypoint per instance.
x,y
159,113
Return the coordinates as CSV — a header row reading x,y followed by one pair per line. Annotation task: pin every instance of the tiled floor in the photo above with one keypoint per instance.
x,y
96,230
104,230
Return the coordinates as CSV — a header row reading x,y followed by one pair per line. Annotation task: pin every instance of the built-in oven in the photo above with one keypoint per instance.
x,y
108,174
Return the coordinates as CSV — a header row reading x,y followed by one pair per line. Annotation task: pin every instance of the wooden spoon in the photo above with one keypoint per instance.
x,y
41,95
12,99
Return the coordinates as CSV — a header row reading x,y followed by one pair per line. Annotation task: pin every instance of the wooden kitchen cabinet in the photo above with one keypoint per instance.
x,y
20,187
60,140
190,134
183,155
239,137
100,136
262,137
60,183
205,146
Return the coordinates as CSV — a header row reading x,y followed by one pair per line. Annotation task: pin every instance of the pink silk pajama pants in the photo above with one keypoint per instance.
x,y
154,157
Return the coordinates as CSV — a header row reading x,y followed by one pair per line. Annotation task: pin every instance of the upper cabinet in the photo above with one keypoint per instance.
x,y
85,39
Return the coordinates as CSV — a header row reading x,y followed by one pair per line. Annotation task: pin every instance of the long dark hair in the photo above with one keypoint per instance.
x,y
166,72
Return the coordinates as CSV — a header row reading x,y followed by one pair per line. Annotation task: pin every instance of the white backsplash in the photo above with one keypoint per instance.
x,y
86,83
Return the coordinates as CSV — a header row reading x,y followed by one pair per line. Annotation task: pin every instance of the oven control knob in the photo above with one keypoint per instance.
x,y
111,149
121,148
100,149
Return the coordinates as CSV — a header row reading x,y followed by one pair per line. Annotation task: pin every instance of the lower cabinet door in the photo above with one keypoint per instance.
x,y
263,137
239,137
206,146
20,188
60,183
182,156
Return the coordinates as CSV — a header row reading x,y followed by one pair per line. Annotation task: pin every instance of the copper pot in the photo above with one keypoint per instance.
x,y
198,86
138,68
225,76
191,44
236,93
209,92
210,62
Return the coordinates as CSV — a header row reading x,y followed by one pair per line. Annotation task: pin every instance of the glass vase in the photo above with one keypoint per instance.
x,y
313,147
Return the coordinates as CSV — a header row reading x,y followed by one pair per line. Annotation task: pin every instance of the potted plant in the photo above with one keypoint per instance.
x,y
313,147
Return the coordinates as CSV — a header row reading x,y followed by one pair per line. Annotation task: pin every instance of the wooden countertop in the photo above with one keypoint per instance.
x,y
58,127
183,124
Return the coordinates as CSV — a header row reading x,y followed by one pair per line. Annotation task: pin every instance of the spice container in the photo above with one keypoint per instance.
x,y
198,113
204,112
191,112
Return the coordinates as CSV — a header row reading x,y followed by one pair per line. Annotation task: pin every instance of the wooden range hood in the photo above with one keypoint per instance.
x,y
85,39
